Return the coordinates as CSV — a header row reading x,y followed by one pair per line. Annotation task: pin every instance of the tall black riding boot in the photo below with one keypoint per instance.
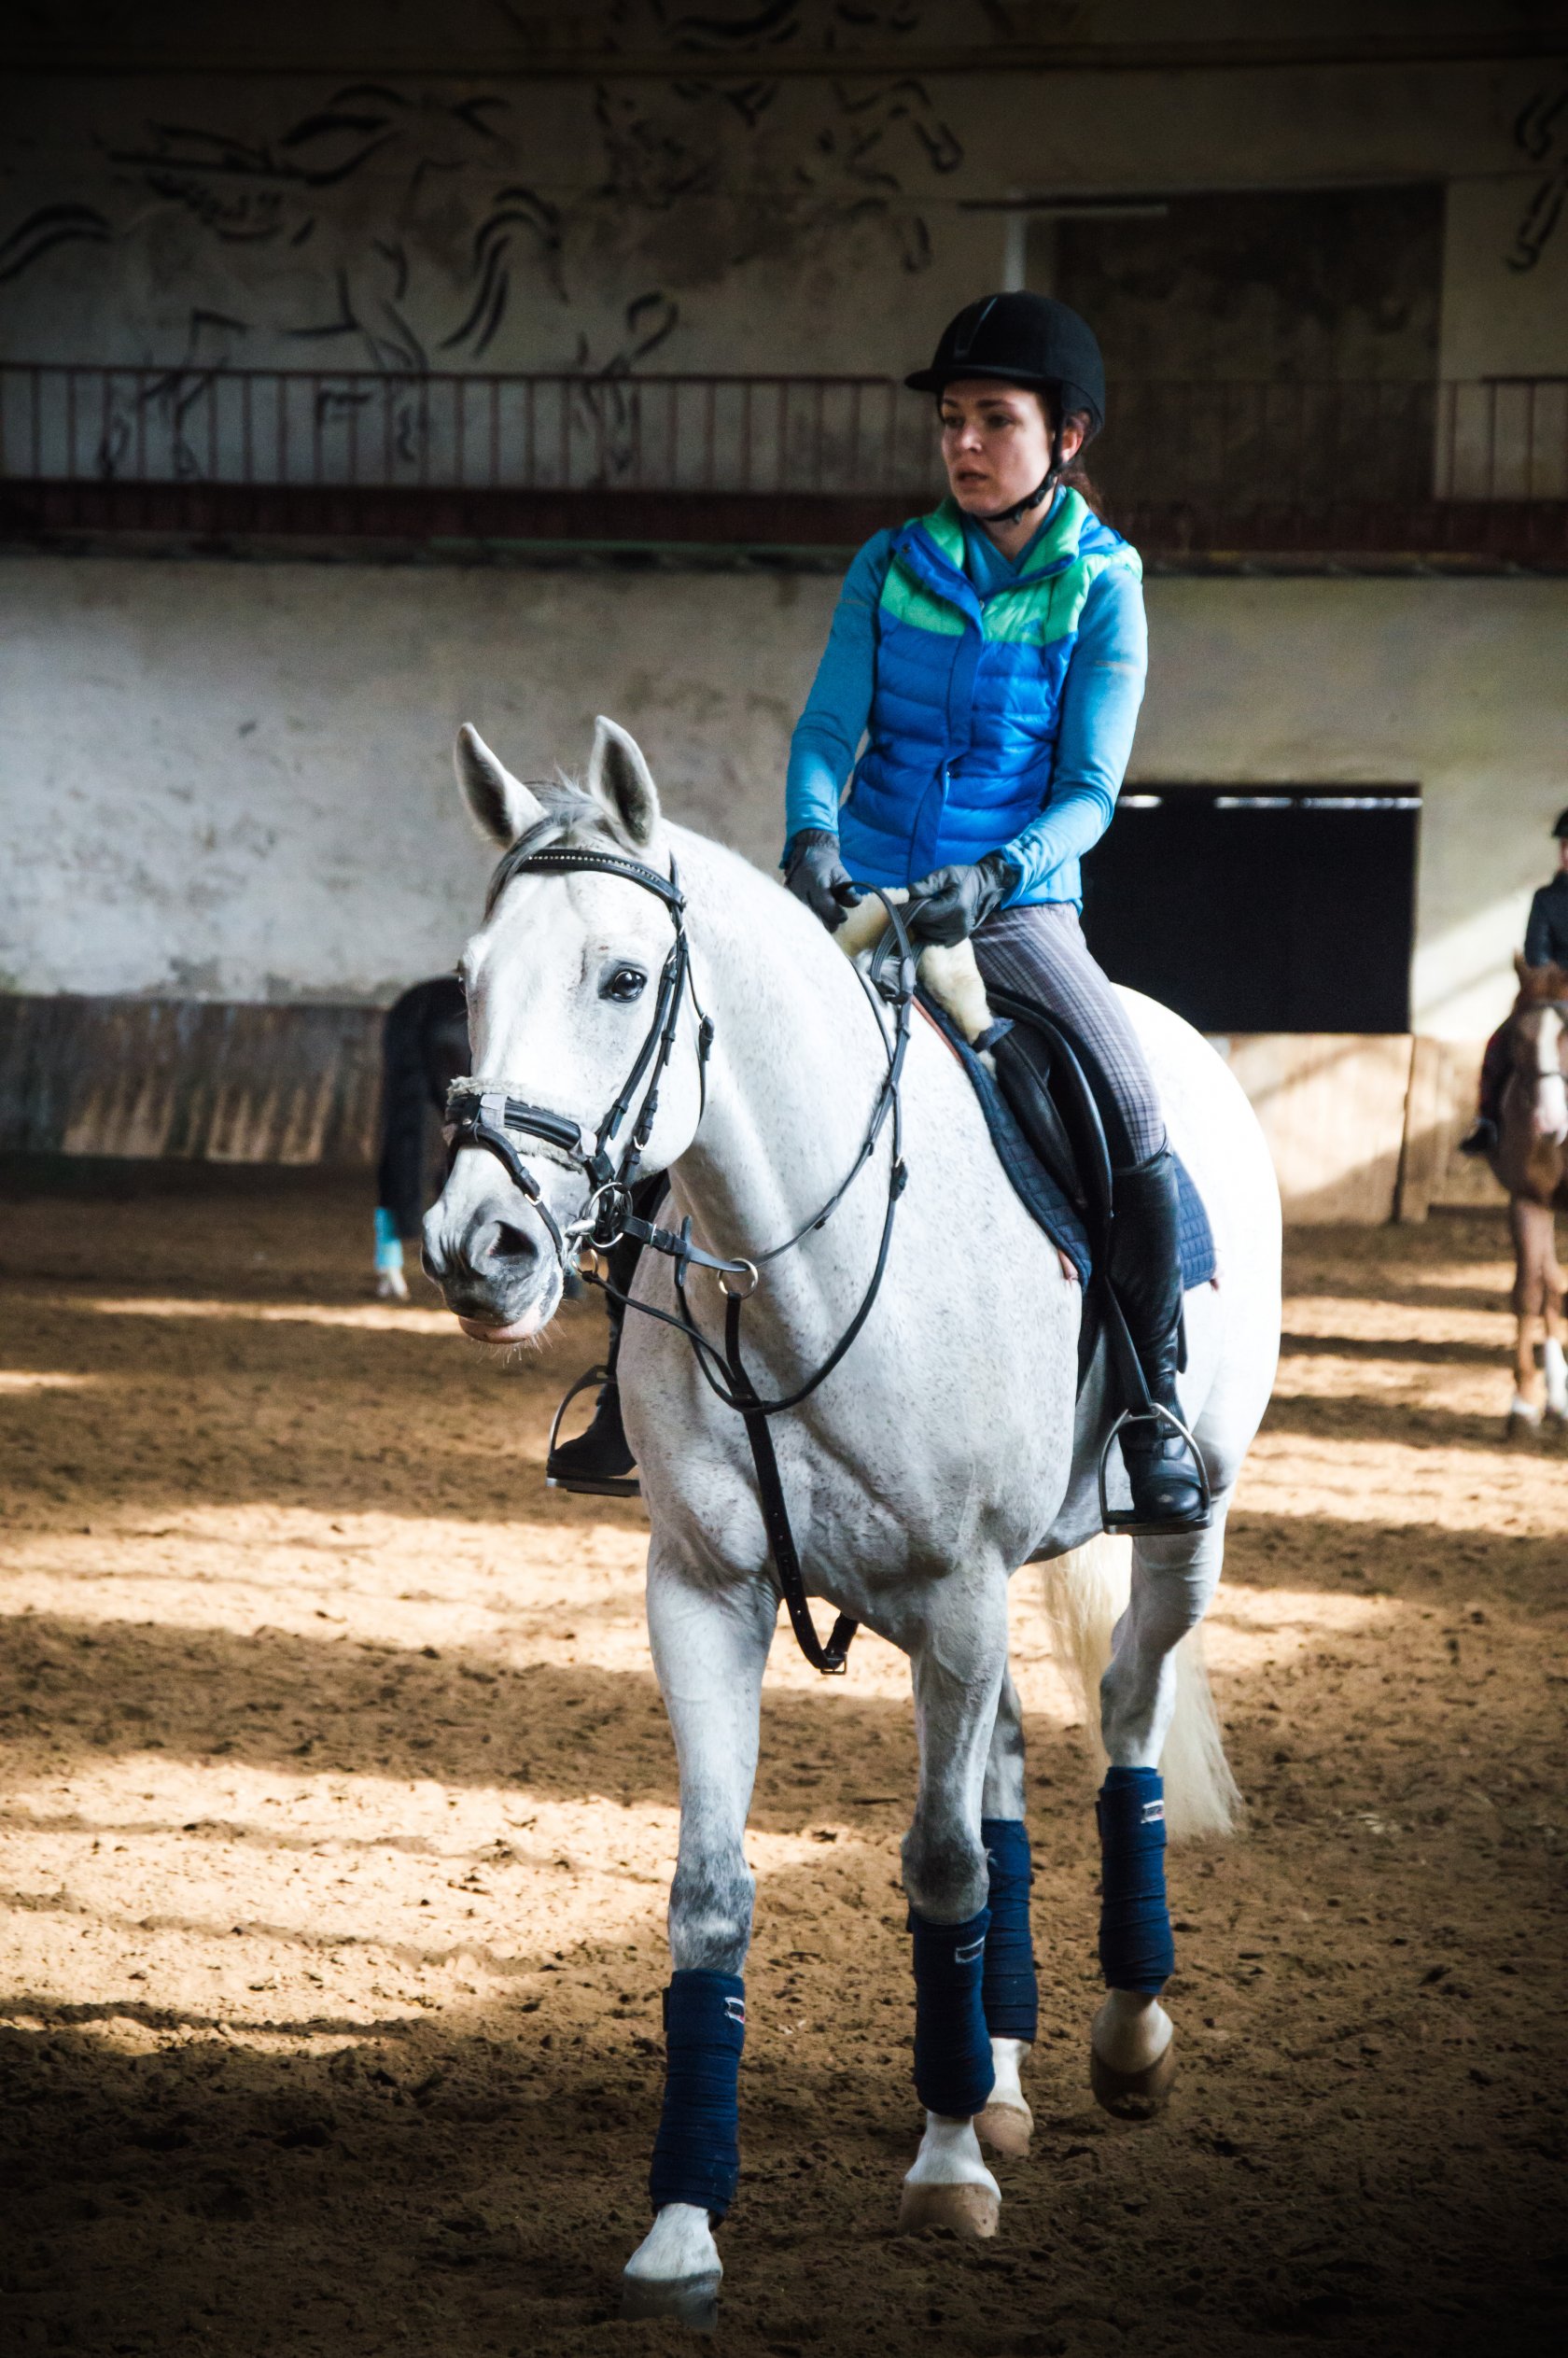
x,y
600,1460
1169,1494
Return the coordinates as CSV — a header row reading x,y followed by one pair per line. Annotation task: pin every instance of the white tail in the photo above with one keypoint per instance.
x,y
1086,1594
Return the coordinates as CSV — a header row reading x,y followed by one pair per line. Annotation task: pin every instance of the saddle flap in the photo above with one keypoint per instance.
x,y
1023,1069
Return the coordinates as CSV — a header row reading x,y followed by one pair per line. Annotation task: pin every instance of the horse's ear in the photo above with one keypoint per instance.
x,y
1520,967
502,807
620,780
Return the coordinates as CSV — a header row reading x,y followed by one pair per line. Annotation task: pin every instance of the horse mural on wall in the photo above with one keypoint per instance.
x,y
387,232
403,227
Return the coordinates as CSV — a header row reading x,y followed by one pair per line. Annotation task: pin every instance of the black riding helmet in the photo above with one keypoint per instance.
x,y
1029,340
1561,830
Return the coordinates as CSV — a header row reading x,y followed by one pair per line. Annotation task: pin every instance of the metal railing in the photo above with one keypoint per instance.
x,y
1214,450
821,436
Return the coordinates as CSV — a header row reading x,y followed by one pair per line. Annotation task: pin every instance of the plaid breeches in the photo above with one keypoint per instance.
x,y
1040,952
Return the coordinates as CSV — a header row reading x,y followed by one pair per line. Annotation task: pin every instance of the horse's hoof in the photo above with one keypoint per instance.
x,y
971,2212
692,2301
1520,1428
1006,2128
1133,2095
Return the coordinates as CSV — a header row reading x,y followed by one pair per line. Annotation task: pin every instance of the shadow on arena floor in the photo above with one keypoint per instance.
x,y
307,1805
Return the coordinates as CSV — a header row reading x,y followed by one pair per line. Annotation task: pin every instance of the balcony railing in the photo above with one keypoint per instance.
x,y
814,437
1462,467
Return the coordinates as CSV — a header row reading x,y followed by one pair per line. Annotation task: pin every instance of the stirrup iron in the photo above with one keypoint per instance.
x,y
1116,1519
600,1487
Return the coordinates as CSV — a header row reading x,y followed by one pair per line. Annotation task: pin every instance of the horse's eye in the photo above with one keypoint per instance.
x,y
624,983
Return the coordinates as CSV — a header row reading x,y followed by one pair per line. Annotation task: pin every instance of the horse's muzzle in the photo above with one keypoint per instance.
x,y
498,1276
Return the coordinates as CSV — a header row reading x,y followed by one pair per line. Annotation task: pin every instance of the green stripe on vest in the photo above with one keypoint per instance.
x,y
1036,611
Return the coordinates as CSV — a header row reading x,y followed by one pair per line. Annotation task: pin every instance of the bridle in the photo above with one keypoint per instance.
x,y
483,1112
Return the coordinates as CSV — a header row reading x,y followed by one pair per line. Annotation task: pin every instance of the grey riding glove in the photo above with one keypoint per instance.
x,y
816,875
946,906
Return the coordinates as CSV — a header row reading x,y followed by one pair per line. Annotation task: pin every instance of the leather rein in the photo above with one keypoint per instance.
x,y
482,1112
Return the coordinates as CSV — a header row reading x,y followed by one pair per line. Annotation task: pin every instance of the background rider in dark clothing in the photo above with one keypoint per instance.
x,y
1546,944
424,1046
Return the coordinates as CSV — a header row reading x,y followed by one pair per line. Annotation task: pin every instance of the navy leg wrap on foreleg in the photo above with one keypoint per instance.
x,y
1136,1949
696,2154
1009,1990
953,2072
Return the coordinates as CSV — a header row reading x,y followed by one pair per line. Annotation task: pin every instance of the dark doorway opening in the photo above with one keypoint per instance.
x,y
1282,908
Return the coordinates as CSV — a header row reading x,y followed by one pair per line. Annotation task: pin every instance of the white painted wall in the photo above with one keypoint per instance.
x,y
230,780
234,781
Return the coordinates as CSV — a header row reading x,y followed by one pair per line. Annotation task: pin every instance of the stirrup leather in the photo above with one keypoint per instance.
x,y
1118,1519
592,1486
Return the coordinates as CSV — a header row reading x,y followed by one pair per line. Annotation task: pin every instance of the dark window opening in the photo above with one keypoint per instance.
x,y
1266,908
1262,346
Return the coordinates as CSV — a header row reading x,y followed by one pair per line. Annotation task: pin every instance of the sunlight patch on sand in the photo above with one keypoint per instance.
x,y
1401,1484
1458,1389
379,1317
43,1380
371,1578
170,1894
1362,1318
1248,1630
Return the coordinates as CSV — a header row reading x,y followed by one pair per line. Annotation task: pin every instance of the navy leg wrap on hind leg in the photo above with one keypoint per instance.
x,y
953,2072
1009,1990
696,2154
1136,1949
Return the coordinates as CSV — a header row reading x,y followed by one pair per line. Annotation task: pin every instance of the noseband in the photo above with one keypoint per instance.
x,y
482,1114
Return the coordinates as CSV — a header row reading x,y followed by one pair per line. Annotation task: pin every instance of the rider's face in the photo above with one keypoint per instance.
x,y
996,443
1562,852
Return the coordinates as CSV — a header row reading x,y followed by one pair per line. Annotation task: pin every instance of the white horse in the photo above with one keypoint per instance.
x,y
950,1446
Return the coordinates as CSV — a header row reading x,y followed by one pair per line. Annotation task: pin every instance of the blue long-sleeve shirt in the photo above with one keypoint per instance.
x,y
1100,698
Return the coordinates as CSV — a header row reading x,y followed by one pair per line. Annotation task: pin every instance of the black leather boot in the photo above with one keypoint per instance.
x,y
599,1460
1169,1491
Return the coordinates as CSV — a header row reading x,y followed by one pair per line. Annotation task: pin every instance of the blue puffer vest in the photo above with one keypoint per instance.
x,y
967,702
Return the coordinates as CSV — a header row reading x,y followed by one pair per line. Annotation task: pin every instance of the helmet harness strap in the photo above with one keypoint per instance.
x,y
1032,500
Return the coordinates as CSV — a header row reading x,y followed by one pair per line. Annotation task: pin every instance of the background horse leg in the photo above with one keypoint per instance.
x,y
1008,1988
1132,2060
709,1651
1536,1287
1556,1365
959,1665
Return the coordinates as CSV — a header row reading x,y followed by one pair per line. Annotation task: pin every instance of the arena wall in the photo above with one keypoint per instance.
x,y
225,784
232,781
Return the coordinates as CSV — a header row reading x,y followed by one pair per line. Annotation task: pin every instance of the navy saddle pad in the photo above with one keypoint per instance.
x,y
1037,1192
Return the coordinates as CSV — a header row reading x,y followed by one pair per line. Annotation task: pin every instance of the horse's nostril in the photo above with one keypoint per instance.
x,y
509,1244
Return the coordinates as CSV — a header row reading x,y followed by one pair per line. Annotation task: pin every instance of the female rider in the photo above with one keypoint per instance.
x,y
993,654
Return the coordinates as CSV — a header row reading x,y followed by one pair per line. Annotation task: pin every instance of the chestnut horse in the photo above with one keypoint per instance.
x,y
1531,1161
